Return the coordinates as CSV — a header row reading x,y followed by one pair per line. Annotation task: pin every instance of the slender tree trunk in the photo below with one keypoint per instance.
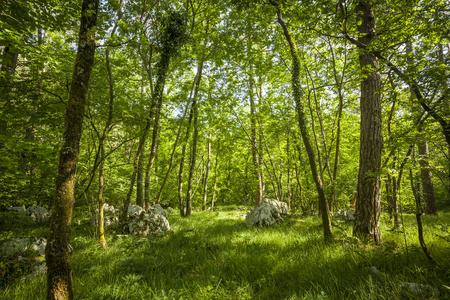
x,y
323,206
256,164
102,141
419,213
340,89
391,182
170,43
151,159
183,150
215,175
194,141
368,206
173,153
57,251
426,176
140,181
208,163
422,145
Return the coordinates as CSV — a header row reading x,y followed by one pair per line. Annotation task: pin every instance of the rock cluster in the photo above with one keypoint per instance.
x,y
267,213
144,223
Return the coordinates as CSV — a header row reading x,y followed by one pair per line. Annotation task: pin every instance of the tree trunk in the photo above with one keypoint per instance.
x,y
57,251
208,163
215,175
422,145
256,164
368,206
163,66
102,141
140,181
323,206
194,141
173,153
151,159
426,176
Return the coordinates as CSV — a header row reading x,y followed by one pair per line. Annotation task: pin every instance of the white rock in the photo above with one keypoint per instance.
x,y
157,209
38,214
348,215
282,206
170,209
18,209
134,210
20,245
267,213
147,223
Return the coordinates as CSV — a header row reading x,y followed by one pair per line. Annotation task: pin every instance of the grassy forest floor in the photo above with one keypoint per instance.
x,y
213,255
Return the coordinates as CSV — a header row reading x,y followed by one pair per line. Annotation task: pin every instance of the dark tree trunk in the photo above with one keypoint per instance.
x,y
323,206
368,206
57,251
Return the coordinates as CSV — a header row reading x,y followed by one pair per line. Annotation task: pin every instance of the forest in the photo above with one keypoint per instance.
x,y
332,115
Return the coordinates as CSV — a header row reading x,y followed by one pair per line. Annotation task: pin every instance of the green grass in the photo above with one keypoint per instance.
x,y
213,255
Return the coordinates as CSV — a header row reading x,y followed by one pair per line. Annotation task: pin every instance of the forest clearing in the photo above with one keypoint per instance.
x,y
236,149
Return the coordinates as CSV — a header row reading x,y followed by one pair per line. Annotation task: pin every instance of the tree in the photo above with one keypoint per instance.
x,y
368,205
57,251
172,37
323,206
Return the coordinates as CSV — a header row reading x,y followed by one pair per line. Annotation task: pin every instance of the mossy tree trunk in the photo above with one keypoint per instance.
x,y
323,206
57,252
172,37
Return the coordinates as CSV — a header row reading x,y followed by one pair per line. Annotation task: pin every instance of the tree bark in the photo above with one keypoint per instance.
x,y
368,206
194,141
256,164
57,251
208,163
215,175
323,206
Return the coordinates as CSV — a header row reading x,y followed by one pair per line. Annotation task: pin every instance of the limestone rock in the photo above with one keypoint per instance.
x,y
18,209
348,215
157,209
38,214
134,210
147,223
170,209
267,213
282,206
109,216
19,245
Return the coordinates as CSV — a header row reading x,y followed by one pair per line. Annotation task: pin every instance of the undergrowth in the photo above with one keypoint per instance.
x,y
213,255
